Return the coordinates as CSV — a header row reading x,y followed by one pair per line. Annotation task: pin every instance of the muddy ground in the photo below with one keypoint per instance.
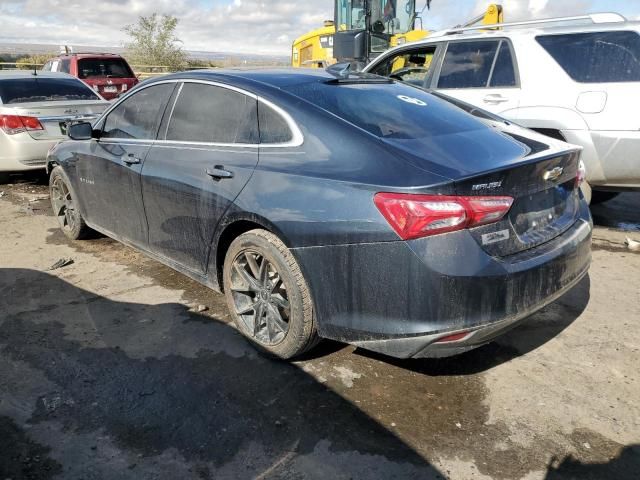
x,y
107,371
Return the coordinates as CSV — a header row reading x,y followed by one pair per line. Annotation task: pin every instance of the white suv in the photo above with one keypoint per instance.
x,y
579,82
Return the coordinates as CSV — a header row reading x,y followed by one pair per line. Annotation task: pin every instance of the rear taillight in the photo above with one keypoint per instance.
x,y
12,124
414,216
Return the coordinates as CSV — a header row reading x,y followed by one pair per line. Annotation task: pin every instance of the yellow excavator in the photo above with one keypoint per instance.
x,y
366,28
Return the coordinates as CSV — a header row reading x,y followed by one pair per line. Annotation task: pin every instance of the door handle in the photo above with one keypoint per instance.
x,y
495,98
131,159
219,172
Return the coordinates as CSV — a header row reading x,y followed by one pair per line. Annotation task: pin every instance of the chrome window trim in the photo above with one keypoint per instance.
x,y
297,138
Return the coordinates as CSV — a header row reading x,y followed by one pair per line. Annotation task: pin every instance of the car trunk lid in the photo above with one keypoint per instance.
x,y
56,116
546,201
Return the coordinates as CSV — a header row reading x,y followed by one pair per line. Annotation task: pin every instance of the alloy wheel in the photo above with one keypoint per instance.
x,y
63,205
260,298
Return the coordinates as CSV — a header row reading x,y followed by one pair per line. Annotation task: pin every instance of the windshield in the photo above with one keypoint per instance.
x,y
388,110
104,67
395,16
39,89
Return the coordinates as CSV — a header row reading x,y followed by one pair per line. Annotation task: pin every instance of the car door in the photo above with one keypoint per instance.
x,y
109,168
208,151
481,72
411,65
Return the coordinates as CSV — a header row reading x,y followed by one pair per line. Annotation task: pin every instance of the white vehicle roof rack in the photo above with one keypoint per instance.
x,y
594,18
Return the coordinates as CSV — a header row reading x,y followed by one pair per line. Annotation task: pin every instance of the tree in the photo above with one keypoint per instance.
x,y
153,42
30,61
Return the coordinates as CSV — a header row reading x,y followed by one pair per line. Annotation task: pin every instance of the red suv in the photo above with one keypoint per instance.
x,y
107,73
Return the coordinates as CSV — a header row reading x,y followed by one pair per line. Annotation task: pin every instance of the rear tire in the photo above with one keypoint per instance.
x,y
268,296
601,197
63,203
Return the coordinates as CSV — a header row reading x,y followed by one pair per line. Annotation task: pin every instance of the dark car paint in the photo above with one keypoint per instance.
x,y
317,197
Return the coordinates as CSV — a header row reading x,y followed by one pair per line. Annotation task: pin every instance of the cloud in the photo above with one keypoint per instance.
x,y
242,26
517,10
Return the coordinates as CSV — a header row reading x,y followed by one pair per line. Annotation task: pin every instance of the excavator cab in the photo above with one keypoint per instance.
x,y
365,28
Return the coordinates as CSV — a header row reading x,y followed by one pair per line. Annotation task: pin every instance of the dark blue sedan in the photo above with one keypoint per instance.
x,y
333,205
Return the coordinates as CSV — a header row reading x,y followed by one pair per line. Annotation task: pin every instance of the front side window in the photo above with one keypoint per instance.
x,y
598,57
209,114
41,89
504,74
468,64
411,67
138,116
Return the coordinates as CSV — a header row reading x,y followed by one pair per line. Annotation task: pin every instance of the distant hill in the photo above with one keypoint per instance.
x,y
11,51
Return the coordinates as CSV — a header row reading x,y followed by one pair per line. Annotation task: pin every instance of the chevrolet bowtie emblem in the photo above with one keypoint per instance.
x,y
553,174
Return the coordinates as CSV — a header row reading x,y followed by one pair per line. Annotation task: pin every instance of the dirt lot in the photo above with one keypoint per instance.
x,y
107,371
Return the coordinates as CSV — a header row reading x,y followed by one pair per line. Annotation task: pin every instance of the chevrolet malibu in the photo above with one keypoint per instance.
x,y
326,204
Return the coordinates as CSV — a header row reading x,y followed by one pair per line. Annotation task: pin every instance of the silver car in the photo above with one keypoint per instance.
x,y
35,110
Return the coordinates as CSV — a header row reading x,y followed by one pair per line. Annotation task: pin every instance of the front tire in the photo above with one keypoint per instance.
x,y
268,296
63,203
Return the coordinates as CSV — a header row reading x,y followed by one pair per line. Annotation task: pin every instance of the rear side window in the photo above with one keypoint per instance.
x,y
138,116
273,128
468,64
210,114
40,89
103,67
600,57
64,66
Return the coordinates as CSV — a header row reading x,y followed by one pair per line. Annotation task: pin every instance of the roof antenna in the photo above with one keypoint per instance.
x,y
35,70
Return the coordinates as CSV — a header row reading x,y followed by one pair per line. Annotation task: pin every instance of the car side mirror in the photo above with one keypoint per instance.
x,y
80,131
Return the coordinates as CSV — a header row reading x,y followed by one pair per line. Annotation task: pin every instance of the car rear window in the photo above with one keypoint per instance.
x,y
599,57
388,110
104,67
40,89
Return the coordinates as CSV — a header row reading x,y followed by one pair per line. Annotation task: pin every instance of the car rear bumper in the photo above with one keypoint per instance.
x,y
400,298
612,158
21,152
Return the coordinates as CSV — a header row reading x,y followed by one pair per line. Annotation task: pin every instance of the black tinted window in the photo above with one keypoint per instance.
x,y
139,115
273,128
596,57
104,67
64,66
40,89
205,113
467,64
504,74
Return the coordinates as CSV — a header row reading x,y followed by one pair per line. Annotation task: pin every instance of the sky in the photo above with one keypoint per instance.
x,y
241,26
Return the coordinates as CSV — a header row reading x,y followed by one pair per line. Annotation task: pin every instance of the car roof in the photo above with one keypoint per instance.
x,y
273,77
17,74
522,31
89,55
